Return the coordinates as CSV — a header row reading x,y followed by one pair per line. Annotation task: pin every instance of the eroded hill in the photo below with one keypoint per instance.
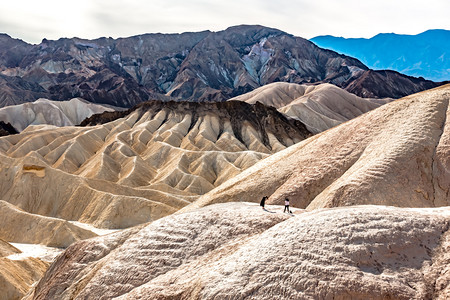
x,y
397,154
146,164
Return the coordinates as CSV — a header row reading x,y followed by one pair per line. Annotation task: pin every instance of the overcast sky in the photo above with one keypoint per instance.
x,y
33,20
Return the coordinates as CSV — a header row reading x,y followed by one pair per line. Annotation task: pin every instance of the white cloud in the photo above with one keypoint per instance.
x,y
33,20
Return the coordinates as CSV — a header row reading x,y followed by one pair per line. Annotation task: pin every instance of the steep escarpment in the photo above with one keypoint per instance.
x,y
202,66
395,155
240,250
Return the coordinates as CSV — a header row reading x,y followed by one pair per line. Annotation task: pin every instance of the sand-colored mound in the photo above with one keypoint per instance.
x,y
22,227
319,107
239,251
44,111
397,154
7,249
145,164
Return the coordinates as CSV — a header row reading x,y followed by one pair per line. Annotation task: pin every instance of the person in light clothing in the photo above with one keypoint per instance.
x,y
286,205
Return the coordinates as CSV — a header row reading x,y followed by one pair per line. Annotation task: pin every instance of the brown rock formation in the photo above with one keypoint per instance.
x,y
7,249
17,276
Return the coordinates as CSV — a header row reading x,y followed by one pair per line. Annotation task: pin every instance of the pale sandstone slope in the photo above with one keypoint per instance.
x,y
319,107
17,275
238,251
22,227
44,111
397,154
146,164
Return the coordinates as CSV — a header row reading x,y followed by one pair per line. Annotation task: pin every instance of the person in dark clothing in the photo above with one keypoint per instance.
x,y
286,205
263,201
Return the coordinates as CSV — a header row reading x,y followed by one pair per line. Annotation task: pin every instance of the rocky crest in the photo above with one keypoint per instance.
x,y
320,107
202,66
263,119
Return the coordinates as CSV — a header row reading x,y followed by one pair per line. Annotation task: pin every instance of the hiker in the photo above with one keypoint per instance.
x,y
263,201
286,205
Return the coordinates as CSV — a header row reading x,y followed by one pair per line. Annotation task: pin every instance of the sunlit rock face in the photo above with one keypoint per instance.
x,y
397,154
201,66
239,251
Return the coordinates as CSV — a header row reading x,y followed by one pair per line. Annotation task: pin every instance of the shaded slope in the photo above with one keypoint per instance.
x,y
382,84
148,163
319,107
44,111
7,129
396,155
240,251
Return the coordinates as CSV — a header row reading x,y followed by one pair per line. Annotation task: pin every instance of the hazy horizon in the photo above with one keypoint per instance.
x,y
33,21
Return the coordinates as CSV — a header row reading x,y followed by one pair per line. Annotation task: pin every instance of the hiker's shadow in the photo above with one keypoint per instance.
x,y
269,211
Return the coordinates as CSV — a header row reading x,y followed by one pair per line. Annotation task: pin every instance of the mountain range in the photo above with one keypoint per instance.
x,y
422,55
201,66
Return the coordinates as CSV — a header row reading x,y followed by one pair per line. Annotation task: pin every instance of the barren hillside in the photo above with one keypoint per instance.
x,y
397,154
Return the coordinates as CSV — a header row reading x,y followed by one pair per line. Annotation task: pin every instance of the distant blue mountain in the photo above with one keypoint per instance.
x,y
423,55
